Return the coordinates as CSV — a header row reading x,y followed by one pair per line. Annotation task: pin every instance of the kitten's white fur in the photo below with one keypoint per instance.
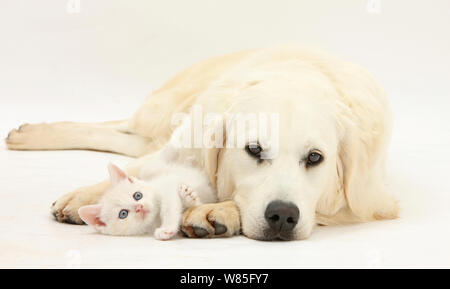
x,y
168,188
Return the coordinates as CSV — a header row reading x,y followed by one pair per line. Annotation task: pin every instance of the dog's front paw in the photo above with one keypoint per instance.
x,y
212,220
65,209
164,234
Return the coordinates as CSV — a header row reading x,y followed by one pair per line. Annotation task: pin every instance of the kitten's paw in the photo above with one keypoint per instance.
x,y
164,234
188,195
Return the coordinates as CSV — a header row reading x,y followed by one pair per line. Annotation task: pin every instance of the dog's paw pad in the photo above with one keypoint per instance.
x,y
219,228
200,232
195,232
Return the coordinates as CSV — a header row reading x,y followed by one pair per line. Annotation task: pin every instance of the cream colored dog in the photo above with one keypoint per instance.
x,y
334,128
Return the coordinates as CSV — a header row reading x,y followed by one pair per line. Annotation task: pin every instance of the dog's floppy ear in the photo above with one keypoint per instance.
x,y
214,140
362,153
210,158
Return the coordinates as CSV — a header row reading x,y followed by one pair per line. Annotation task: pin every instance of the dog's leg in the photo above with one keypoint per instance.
x,y
109,136
212,220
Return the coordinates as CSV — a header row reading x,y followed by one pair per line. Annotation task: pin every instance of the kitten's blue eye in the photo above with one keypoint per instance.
x,y
137,196
123,214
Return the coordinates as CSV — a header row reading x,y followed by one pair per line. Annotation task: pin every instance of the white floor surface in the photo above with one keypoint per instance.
x,y
30,181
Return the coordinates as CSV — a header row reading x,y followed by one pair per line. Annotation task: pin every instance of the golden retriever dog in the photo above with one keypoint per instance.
x,y
334,126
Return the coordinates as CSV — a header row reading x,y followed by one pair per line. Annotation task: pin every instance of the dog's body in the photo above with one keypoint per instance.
x,y
325,105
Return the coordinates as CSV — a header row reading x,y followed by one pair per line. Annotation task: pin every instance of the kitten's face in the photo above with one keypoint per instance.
x,y
127,208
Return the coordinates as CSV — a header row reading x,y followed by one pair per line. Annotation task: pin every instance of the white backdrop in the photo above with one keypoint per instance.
x,y
64,62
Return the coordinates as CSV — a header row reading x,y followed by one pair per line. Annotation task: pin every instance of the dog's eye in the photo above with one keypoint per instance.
x,y
123,214
314,158
137,196
254,150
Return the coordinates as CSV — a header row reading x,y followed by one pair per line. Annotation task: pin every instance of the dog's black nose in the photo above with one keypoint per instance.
x,y
281,217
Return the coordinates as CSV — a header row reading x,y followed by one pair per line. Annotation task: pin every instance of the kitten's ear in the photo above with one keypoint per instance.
x,y
90,215
116,174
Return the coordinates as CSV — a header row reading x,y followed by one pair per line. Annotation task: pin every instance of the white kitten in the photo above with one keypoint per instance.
x,y
134,207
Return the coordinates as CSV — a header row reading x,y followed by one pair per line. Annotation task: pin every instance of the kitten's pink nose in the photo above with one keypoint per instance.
x,y
138,208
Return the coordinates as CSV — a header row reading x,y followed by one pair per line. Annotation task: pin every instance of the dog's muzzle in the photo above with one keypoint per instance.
x,y
282,218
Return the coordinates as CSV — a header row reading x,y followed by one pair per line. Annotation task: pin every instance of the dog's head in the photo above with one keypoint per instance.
x,y
317,165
